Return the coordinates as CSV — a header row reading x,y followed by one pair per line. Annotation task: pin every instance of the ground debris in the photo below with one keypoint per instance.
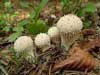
x,y
79,60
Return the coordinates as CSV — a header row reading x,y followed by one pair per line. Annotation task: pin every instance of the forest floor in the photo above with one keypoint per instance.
x,y
89,43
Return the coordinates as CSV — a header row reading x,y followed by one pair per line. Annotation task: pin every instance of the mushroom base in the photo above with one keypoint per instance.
x,y
67,39
29,56
56,41
45,48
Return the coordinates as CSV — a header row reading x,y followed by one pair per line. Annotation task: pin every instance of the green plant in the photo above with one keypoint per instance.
x,y
3,70
18,30
6,24
8,4
3,22
33,24
35,13
15,57
65,4
69,6
89,8
37,25
76,7
24,4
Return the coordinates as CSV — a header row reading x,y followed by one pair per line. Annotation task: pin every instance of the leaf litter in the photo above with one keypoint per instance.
x,y
79,61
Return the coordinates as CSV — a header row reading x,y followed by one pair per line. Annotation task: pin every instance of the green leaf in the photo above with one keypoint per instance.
x,y
7,28
15,56
35,14
32,14
24,4
16,13
65,3
7,4
14,36
23,22
81,13
3,70
90,7
18,29
3,21
87,24
38,27
62,4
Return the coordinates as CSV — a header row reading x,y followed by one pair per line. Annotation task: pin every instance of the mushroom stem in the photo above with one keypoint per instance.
x,y
54,34
67,39
30,56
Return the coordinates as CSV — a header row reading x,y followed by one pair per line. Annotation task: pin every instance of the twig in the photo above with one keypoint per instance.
x,y
50,70
3,70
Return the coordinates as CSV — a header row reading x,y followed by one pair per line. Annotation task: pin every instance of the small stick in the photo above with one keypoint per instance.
x,y
50,70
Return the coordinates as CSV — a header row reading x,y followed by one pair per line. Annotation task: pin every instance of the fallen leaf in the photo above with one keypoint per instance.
x,y
83,1
90,45
23,15
79,60
87,32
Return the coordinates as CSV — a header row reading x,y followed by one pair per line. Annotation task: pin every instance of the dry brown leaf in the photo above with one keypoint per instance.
x,y
83,1
79,60
23,15
87,32
90,44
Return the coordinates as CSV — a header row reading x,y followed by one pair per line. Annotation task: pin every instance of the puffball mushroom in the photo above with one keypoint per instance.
x,y
42,41
54,34
69,26
25,44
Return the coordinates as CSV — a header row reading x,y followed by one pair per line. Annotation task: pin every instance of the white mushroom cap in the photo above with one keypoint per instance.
x,y
69,26
23,43
69,23
42,40
53,32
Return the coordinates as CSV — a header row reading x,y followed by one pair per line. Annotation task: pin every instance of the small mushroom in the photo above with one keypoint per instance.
x,y
25,44
54,34
69,26
42,41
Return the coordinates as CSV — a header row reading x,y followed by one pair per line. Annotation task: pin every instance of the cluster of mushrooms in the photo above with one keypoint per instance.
x,y
66,31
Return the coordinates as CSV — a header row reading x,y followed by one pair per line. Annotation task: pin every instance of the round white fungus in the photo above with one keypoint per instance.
x,y
53,32
25,44
42,40
69,26
69,23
